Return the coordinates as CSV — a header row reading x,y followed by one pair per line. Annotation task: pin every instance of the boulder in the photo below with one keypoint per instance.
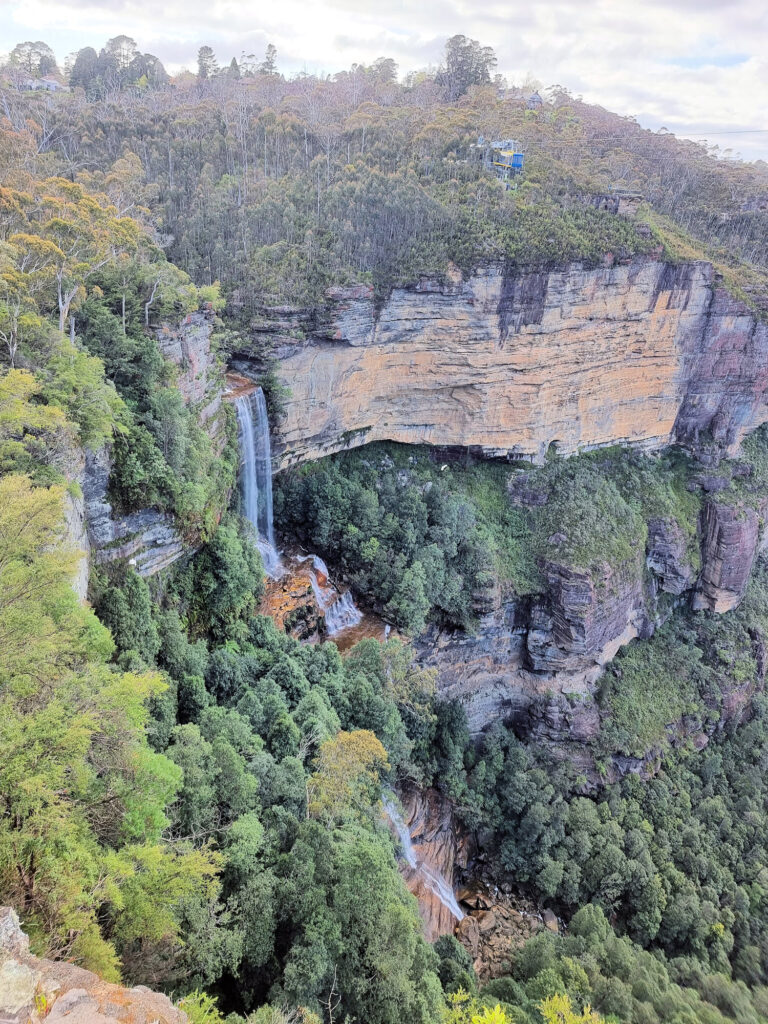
x,y
550,921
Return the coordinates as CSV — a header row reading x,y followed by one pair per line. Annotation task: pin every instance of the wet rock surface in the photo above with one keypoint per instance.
x,y
438,843
495,921
292,600
512,362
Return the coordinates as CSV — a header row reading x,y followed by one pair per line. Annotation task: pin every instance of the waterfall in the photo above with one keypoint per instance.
x,y
256,465
339,610
342,614
432,880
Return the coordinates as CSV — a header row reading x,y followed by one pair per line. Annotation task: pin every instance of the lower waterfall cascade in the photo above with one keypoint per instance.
x,y
339,608
433,881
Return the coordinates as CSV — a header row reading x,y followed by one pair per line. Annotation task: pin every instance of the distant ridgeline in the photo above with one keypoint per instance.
x,y
189,797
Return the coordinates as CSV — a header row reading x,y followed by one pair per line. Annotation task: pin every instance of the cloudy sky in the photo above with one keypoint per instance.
x,y
696,67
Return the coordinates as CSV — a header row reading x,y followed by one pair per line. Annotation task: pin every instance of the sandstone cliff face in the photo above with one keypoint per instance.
x,y
666,558
149,537
509,362
199,376
730,543
77,526
584,614
437,844
33,990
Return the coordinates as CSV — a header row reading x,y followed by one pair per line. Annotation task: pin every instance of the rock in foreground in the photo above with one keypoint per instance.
x,y
33,989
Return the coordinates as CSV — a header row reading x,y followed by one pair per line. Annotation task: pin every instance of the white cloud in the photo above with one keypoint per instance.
x,y
688,65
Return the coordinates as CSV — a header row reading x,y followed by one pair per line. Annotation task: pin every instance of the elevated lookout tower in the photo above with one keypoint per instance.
x,y
503,156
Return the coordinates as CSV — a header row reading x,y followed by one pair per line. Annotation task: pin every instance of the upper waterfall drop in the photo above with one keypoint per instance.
x,y
256,469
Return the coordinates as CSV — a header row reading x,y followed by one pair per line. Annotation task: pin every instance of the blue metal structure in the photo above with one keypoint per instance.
x,y
503,156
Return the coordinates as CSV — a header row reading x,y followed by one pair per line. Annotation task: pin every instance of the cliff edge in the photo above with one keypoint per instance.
x,y
511,361
33,989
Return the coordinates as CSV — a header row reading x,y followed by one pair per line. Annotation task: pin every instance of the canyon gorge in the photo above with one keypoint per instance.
x,y
501,364
383,550
517,365
513,367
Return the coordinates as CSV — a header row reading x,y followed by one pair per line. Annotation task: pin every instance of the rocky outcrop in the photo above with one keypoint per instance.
x,y
149,539
585,615
726,375
298,598
489,673
535,661
496,924
33,990
667,556
492,922
77,526
729,544
199,376
511,361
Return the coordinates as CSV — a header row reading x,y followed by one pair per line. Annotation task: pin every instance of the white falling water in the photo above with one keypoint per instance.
x,y
319,565
256,467
339,609
433,881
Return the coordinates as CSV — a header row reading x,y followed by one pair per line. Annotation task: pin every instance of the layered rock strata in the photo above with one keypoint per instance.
x,y
512,361
199,376
535,661
148,538
437,843
730,542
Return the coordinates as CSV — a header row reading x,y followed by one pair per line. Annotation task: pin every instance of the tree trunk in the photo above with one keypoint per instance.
x,y
62,307
148,304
